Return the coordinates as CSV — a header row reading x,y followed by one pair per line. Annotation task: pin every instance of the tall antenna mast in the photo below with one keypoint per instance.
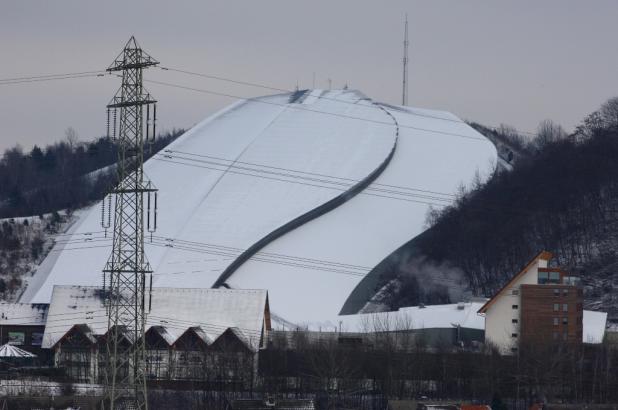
x,y
404,98
124,275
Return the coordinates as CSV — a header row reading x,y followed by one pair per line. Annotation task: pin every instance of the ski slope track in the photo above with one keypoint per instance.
x,y
302,194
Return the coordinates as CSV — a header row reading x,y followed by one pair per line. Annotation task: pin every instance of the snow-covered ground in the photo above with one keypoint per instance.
x,y
251,168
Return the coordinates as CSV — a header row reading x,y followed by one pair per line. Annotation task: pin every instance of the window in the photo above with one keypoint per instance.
x,y
514,321
554,277
556,307
513,334
515,292
565,292
543,278
565,336
515,306
556,292
556,321
513,349
565,320
565,307
556,335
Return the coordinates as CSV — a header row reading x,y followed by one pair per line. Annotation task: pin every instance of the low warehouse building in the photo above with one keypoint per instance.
x,y
209,335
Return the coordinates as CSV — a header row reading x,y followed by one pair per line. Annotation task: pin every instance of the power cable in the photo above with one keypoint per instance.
x,y
304,108
267,87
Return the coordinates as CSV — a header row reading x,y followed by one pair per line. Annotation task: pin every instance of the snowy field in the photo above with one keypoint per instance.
x,y
251,168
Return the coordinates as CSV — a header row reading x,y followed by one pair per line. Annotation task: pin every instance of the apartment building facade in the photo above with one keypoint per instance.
x,y
538,305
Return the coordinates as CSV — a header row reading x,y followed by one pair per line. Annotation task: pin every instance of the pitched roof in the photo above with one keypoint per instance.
x,y
238,335
24,314
176,309
82,329
198,332
163,333
8,350
543,255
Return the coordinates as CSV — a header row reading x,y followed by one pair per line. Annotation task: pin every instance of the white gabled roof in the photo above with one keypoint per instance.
x,y
24,314
8,350
594,324
176,309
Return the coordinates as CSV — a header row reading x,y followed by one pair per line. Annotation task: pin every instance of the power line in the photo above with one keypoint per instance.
x,y
353,181
297,182
313,180
90,315
323,97
43,76
304,108
293,177
36,80
278,259
100,73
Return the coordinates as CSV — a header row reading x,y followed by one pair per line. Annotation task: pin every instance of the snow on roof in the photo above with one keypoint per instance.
x,y
200,333
8,350
164,333
409,318
253,167
594,324
25,314
177,309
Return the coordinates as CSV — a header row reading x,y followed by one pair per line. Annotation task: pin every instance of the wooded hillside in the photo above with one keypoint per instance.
x,y
562,197
65,175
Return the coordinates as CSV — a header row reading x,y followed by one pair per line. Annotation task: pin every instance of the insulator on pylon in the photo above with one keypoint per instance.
x,y
147,122
155,211
154,122
107,133
106,217
148,212
109,211
114,135
150,295
151,214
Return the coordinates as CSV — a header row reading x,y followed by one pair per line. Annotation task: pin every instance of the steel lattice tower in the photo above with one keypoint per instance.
x,y
127,268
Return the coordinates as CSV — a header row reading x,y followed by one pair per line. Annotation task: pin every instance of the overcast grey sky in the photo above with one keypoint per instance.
x,y
515,62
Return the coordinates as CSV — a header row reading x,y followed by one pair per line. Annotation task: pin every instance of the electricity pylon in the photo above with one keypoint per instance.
x,y
124,275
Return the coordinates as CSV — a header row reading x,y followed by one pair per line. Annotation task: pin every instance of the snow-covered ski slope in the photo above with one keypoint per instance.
x,y
289,173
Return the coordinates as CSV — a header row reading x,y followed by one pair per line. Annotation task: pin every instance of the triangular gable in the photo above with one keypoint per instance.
x,y
158,336
233,337
81,330
125,337
193,336
543,255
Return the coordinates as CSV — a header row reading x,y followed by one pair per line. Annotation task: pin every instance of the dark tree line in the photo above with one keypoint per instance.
x,y
63,175
339,372
561,197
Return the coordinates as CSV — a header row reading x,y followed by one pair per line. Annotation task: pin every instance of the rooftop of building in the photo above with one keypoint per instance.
x,y
171,313
23,314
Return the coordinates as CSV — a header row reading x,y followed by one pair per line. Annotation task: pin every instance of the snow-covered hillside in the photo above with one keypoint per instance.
x,y
289,172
